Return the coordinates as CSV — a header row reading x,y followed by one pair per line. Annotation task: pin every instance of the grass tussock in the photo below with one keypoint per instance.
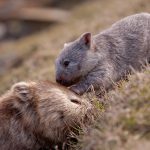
x,y
125,121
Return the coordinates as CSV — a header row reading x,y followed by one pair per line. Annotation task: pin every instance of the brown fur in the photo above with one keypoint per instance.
x,y
35,115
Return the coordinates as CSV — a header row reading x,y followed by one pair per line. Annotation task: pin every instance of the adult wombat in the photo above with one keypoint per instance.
x,y
38,115
100,60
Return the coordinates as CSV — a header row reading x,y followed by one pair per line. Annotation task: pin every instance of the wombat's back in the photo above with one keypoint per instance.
x,y
128,40
135,23
40,114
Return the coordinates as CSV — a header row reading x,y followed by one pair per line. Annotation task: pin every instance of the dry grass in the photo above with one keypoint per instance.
x,y
125,123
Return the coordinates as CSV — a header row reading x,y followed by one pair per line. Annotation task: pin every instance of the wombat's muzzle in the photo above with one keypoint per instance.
x,y
67,83
63,82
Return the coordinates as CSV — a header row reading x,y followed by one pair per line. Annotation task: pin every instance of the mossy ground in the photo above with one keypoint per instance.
x,y
123,121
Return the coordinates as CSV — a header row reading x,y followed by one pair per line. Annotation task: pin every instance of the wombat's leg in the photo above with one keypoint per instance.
x,y
85,86
96,80
22,90
79,88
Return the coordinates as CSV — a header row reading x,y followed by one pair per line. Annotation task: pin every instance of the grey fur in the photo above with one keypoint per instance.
x,y
107,57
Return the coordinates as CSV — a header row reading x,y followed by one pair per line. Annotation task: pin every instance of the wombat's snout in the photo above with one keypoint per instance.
x,y
62,82
58,80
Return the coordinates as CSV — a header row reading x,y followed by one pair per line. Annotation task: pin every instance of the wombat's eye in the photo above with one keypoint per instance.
x,y
66,63
75,101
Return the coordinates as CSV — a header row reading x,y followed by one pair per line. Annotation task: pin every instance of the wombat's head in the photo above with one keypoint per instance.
x,y
49,109
76,60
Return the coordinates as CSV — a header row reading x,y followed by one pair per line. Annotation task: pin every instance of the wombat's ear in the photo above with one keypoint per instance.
x,y
85,39
22,90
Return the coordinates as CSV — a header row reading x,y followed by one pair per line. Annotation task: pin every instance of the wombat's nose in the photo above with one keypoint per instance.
x,y
62,82
58,80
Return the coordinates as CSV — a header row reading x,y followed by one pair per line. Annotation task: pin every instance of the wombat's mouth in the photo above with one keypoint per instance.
x,y
68,83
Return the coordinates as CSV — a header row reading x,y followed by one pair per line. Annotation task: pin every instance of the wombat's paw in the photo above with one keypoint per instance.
x,y
22,90
77,90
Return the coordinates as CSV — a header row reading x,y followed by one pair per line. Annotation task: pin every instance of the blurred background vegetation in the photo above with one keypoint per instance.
x,y
32,33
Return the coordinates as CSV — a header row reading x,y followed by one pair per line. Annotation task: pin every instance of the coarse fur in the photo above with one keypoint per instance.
x,y
39,115
99,61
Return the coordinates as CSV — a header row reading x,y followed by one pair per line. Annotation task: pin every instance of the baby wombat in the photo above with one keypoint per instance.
x,y
38,115
97,61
